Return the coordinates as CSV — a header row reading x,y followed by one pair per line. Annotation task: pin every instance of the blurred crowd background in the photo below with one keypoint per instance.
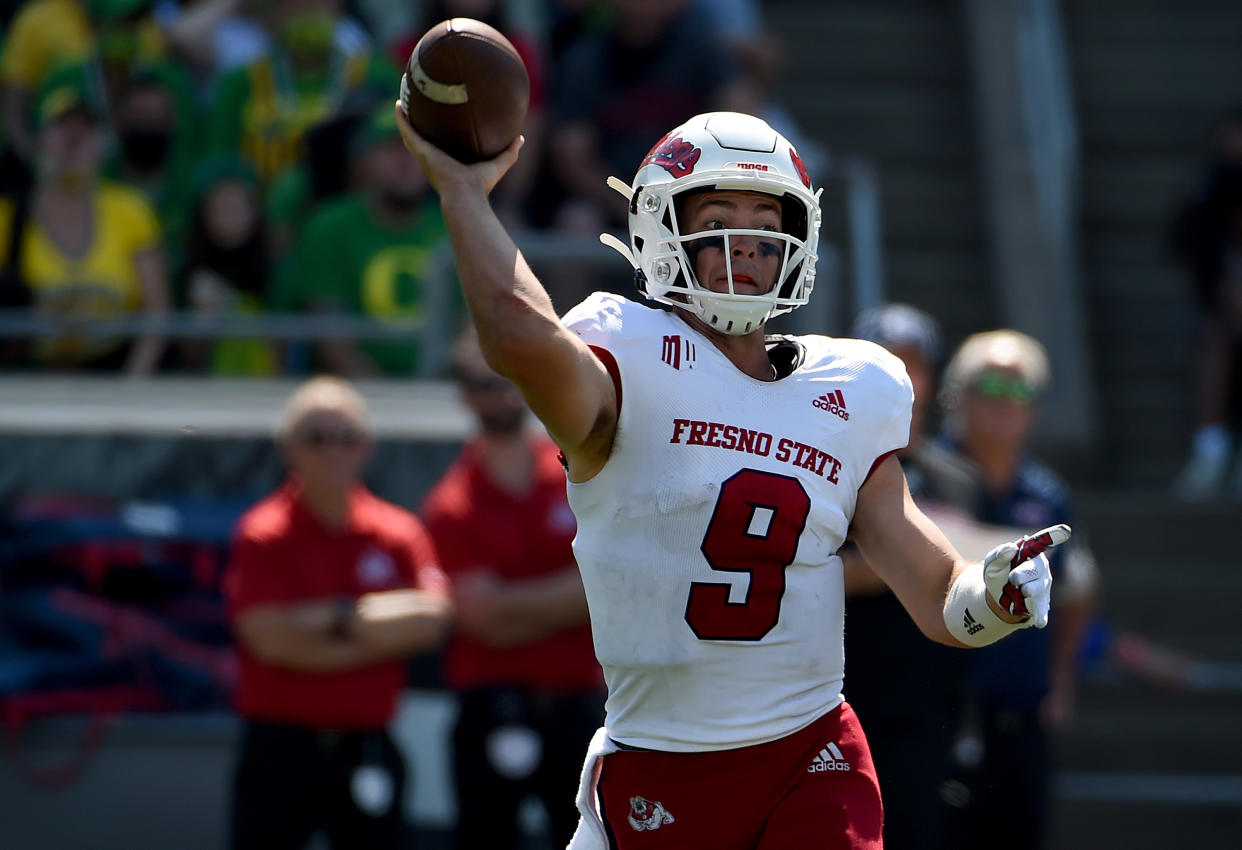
x,y
204,202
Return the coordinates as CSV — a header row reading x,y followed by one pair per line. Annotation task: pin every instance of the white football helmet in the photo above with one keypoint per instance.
x,y
721,151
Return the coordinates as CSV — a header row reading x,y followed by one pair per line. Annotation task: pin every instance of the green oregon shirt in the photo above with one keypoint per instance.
x,y
262,111
349,261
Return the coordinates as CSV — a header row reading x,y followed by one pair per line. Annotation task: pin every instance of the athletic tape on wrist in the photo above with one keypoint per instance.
x,y
967,614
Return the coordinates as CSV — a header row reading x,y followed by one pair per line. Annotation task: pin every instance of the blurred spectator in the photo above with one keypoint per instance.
x,y
521,659
262,110
220,36
330,589
1207,239
156,132
990,390
89,250
888,658
49,34
618,89
297,192
509,197
227,265
367,253
740,30
568,22
214,36
522,21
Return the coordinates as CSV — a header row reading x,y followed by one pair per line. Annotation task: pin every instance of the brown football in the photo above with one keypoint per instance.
x,y
465,89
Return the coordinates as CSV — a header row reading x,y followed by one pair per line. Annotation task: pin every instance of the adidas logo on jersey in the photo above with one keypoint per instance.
x,y
829,758
971,624
834,403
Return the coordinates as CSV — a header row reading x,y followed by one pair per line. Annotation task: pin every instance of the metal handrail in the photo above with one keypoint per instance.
x,y
430,328
182,325
1048,112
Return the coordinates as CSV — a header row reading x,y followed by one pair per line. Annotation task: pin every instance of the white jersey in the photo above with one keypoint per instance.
x,y
708,541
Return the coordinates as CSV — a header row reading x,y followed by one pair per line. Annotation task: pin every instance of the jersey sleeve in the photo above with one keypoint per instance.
x,y
891,402
597,319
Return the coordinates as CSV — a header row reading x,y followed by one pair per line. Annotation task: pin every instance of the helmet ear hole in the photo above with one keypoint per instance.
x,y
792,277
793,217
678,207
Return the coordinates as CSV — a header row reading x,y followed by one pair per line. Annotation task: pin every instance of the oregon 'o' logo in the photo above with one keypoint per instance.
x,y
392,282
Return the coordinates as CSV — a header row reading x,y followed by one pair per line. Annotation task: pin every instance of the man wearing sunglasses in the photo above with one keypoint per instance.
x,y
529,690
990,392
331,589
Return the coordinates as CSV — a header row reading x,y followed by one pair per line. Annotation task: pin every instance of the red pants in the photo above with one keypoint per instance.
x,y
813,789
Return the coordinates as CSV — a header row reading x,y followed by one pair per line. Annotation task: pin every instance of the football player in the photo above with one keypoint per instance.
x,y
715,472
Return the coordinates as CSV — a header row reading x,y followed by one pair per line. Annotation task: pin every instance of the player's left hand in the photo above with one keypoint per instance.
x,y
1019,578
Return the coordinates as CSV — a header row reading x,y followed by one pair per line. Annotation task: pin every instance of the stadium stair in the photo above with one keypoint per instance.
x,y
1143,766
889,82
1146,765
1149,78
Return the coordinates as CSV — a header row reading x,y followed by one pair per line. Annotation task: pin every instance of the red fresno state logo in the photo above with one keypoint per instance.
x,y
801,166
674,155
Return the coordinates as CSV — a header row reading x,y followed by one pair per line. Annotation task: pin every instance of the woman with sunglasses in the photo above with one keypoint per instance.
x,y
331,589
990,393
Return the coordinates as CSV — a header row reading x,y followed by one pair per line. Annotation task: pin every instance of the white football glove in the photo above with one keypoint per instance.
x,y
1018,577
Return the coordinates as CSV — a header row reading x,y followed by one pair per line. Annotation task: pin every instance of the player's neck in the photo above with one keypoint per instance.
x,y
749,352
508,461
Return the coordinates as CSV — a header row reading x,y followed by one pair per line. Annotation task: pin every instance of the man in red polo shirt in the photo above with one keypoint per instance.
x,y
330,588
521,659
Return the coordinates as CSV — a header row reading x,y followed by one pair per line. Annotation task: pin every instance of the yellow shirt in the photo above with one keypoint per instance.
x,y
45,34
102,283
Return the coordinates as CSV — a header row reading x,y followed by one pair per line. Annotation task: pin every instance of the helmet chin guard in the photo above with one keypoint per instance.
x,y
722,151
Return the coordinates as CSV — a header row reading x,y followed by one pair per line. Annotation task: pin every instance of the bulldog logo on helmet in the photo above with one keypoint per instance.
x,y
645,814
801,168
674,155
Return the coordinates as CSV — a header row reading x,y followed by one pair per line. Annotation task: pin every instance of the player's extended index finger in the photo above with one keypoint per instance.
x,y
1033,545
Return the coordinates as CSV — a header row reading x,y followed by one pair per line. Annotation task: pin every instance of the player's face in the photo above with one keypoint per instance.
x,y
753,260
327,448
